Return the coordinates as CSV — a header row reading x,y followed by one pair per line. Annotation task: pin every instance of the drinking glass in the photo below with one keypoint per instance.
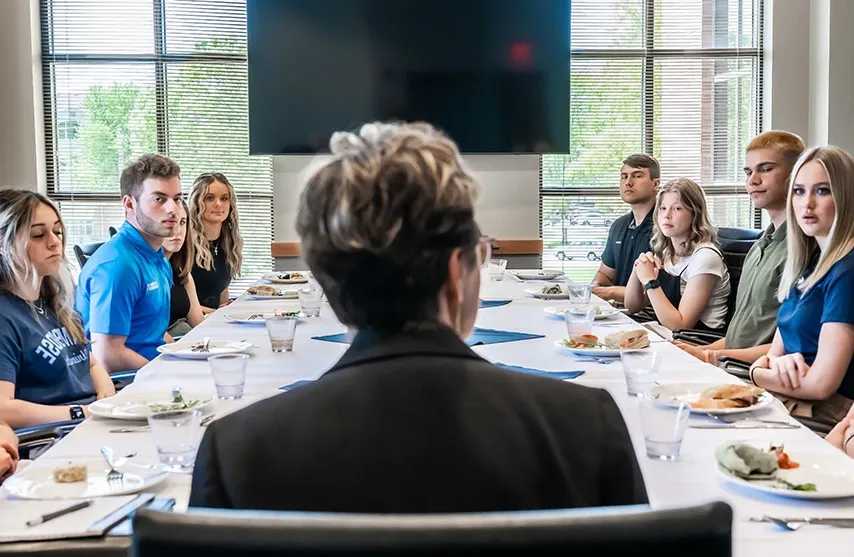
x,y
310,300
579,322
579,295
281,329
496,269
229,375
663,428
641,370
176,436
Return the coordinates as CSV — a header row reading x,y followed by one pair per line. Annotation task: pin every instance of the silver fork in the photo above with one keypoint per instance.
x,y
598,360
113,475
734,419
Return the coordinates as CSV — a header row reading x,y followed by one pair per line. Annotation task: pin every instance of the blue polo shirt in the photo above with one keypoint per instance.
x,y
124,289
830,300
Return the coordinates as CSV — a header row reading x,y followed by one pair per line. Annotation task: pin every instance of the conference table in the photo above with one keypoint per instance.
x,y
690,480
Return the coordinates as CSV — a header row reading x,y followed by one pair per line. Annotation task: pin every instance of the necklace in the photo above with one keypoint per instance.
x,y
215,245
39,305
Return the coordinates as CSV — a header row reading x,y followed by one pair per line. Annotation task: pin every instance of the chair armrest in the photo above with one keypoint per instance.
x,y
122,379
34,440
696,336
735,367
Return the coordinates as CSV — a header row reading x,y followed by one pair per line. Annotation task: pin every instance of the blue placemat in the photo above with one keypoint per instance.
x,y
296,385
493,303
542,373
478,337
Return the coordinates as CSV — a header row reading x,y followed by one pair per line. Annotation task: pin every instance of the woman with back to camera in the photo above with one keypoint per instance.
x,y
684,277
215,234
186,312
47,373
809,364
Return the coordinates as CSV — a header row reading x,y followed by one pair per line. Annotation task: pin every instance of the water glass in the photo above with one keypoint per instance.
x,y
229,375
176,436
579,295
281,329
579,322
663,428
496,269
641,370
310,300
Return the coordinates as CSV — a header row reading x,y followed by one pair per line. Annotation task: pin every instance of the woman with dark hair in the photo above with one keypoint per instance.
x,y
410,419
47,373
215,237
185,312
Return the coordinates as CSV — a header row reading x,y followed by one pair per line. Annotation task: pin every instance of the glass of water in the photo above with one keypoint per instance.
x,y
579,321
663,428
229,375
579,295
176,436
310,300
496,269
281,329
641,370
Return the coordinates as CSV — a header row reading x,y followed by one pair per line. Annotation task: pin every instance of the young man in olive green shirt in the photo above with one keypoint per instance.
x,y
769,162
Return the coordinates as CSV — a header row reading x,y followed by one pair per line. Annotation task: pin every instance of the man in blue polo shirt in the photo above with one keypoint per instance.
x,y
124,289
630,234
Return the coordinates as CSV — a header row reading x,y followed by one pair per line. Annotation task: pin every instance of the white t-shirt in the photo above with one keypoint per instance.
x,y
705,262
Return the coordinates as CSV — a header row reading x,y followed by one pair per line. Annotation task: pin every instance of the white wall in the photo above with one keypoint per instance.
x,y
21,127
508,207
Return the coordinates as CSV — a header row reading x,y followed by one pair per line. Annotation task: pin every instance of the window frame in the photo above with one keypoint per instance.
x,y
649,55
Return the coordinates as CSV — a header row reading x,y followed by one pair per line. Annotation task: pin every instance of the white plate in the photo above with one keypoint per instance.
x,y
215,348
538,293
602,312
833,477
672,394
278,278
256,318
36,481
284,295
535,274
138,406
593,352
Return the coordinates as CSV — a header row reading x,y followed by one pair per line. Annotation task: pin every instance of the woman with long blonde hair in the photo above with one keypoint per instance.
x,y
215,235
47,373
684,277
810,362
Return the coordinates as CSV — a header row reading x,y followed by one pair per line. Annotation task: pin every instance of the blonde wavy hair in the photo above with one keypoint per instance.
x,y
17,207
232,241
839,167
692,198
379,219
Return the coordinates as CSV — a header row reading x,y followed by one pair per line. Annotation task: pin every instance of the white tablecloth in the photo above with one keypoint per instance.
x,y
690,480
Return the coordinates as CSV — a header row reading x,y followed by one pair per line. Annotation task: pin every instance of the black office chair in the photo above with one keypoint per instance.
x,y
112,230
84,251
696,531
735,243
35,440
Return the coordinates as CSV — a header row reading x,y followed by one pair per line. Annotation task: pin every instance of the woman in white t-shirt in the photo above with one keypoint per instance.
x,y
684,277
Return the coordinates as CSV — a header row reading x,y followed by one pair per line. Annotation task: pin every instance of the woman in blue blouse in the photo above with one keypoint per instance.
x,y
810,362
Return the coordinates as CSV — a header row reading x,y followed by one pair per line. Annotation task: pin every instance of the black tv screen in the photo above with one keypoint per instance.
x,y
493,74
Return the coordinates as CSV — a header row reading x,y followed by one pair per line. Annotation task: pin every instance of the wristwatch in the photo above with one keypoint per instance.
x,y
76,412
651,285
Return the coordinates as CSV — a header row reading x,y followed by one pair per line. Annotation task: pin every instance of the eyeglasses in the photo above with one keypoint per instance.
x,y
484,250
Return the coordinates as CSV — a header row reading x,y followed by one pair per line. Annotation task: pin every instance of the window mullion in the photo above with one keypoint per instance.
x,y
648,77
161,112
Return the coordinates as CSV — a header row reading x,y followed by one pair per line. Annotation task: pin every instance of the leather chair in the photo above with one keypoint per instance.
x,y
84,251
735,243
701,531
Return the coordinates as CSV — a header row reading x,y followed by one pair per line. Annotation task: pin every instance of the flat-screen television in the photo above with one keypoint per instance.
x,y
493,74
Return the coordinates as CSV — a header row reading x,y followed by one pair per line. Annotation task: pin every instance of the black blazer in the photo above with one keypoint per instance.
x,y
418,423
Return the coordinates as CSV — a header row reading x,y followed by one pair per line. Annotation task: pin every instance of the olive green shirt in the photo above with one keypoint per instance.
x,y
755,319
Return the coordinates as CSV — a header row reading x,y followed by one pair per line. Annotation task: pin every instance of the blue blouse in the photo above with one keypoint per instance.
x,y
830,300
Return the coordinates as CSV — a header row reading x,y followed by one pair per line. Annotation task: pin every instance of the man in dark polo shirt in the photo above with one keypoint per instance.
x,y
629,235
768,164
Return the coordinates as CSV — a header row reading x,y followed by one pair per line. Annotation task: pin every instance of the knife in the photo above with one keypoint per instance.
x,y
745,425
841,522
